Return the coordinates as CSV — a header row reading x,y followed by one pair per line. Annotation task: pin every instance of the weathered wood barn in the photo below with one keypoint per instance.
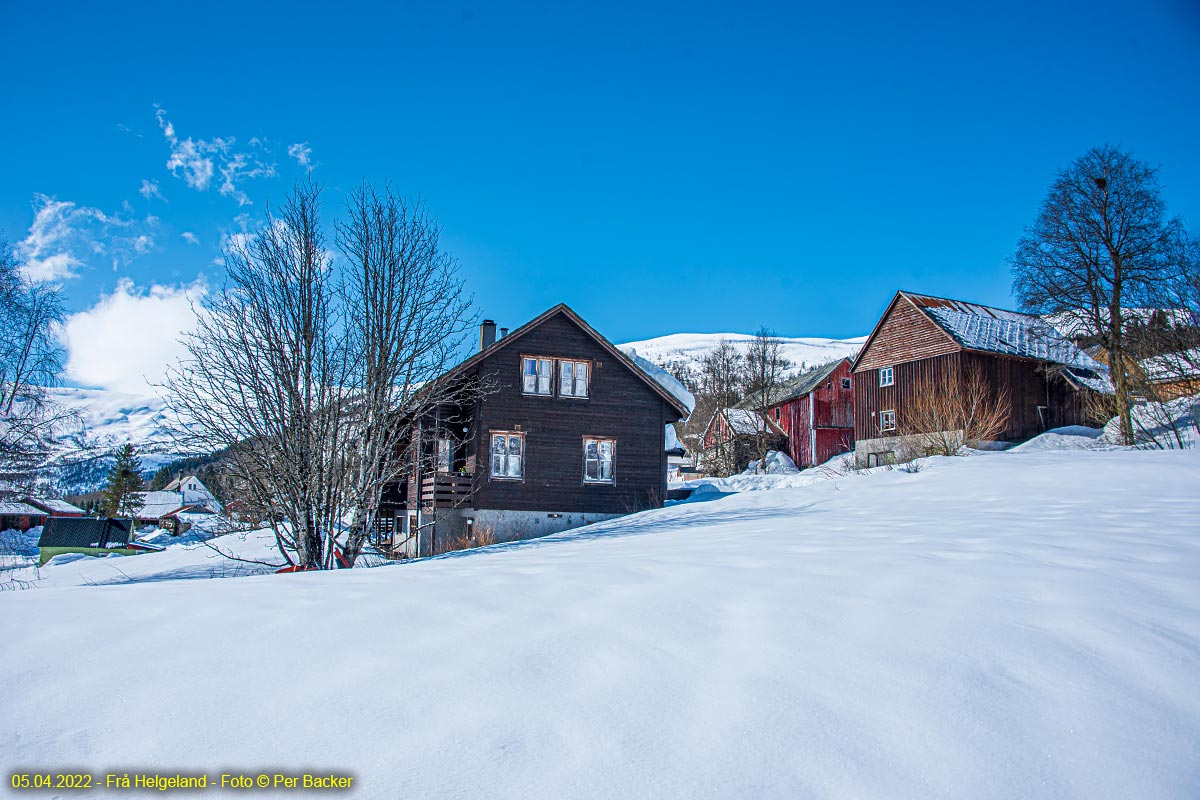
x,y
730,440
565,430
816,412
920,342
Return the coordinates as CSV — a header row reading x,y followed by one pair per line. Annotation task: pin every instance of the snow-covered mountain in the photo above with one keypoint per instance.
x,y
108,420
688,349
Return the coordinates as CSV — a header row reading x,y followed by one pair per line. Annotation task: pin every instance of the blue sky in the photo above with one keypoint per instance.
x,y
662,168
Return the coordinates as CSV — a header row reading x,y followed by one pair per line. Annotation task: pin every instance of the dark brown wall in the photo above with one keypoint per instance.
x,y
620,405
1026,381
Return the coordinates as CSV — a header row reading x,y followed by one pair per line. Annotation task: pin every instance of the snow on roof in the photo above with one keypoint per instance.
x,y
1011,333
663,378
671,441
1183,365
20,510
743,421
58,506
157,504
798,386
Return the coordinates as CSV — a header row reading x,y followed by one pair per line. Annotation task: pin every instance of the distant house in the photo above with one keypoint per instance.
x,y
922,342
89,536
816,412
184,495
731,438
570,431
1164,377
55,508
20,516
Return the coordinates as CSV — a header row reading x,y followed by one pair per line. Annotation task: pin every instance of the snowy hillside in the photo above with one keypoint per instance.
x,y
107,421
997,626
689,348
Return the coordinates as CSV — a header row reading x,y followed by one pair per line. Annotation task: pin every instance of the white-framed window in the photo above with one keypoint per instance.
x,y
887,420
887,376
573,378
508,455
598,457
536,374
778,413
846,383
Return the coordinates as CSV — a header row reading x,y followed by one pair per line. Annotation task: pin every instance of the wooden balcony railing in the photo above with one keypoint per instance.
x,y
446,490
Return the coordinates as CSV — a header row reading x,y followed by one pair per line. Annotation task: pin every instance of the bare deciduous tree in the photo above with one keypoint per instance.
x,y
301,366
953,412
722,382
1100,246
766,369
30,362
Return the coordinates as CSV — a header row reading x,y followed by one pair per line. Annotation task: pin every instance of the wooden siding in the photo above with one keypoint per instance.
x,y
1027,382
831,427
904,334
619,405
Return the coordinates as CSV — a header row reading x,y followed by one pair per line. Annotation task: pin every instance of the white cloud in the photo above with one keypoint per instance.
x,y
190,237
303,155
150,189
198,161
126,341
64,235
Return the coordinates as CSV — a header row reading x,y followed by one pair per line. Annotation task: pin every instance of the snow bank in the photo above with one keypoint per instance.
x,y
776,463
1070,437
1000,626
1161,424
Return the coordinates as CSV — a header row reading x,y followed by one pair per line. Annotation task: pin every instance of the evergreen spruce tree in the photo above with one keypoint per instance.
x,y
124,479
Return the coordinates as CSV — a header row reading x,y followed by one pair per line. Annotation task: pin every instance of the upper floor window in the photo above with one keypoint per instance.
x,y
777,414
887,420
536,374
887,376
598,455
508,455
573,378
845,383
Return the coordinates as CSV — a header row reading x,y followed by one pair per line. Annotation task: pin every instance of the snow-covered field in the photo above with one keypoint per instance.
x,y
995,626
690,348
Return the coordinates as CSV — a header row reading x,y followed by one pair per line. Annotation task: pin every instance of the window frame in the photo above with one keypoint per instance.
x,y
882,412
847,384
492,476
891,376
612,470
538,360
587,380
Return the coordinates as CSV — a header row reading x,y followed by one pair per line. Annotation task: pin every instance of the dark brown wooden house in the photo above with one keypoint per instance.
x,y
566,431
816,412
921,341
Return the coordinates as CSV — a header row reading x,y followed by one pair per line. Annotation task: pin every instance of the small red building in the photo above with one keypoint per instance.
x,y
816,411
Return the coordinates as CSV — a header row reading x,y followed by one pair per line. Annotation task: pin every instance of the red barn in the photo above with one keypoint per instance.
x,y
816,411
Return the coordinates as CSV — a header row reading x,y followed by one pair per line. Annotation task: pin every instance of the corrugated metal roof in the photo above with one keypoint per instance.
x,y
14,509
84,532
995,330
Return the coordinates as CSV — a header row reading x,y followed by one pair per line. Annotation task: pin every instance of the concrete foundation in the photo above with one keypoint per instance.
x,y
460,528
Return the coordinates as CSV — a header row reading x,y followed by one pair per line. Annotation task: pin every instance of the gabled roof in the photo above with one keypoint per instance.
x,y
986,329
84,532
798,386
562,308
54,506
744,422
15,509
